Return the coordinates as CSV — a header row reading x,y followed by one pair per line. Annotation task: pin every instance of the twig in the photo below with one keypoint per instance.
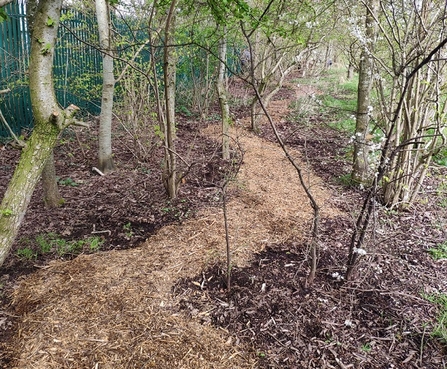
x,y
421,347
94,169
223,188
20,142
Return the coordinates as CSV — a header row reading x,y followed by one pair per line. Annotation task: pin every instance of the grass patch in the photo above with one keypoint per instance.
x,y
440,329
439,252
338,100
53,243
441,157
340,103
26,253
346,180
441,191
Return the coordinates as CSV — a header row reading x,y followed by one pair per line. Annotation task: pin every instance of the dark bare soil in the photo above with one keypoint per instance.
x,y
381,320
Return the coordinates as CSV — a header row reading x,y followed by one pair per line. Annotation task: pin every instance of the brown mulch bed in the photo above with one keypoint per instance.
x,y
164,303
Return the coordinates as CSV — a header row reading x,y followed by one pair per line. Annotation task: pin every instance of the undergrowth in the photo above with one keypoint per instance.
x,y
52,243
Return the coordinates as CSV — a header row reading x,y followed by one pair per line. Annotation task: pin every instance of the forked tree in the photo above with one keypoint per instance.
x,y
49,121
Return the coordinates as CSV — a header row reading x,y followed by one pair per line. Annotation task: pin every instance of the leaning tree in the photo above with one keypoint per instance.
x,y
49,121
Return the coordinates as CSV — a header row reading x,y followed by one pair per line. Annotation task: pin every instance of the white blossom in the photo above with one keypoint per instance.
x,y
337,276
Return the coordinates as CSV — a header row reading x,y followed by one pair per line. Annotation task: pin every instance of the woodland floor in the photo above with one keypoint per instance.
x,y
155,295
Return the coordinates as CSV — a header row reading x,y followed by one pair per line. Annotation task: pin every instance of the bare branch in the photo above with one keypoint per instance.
x,y
20,142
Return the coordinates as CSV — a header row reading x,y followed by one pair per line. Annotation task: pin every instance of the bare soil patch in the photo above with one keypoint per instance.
x,y
163,303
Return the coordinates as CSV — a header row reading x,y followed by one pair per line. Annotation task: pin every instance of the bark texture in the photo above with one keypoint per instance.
x,y
170,160
360,169
105,155
51,195
49,120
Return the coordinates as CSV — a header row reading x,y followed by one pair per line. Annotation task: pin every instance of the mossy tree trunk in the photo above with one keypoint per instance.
x,y
51,195
49,121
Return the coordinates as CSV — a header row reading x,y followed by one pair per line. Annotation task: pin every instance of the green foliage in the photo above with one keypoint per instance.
x,y
26,253
220,9
441,191
46,49
3,15
440,329
346,179
67,182
53,243
158,132
44,242
439,252
50,22
441,157
338,99
128,230
6,212
341,107
95,243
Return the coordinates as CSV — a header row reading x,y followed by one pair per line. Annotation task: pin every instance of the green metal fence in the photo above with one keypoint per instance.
x,y
14,48
77,66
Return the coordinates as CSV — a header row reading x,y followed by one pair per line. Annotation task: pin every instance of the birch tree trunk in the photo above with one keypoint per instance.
x,y
222,92
360,167
169,69
49,121
105,158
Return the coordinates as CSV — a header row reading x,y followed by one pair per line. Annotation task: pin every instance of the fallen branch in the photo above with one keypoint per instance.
x,y
94,169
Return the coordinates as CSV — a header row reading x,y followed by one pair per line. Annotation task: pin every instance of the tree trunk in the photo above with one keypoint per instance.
x,y
51,195
360,168
350,73
105,158
223,101
49,120
170,160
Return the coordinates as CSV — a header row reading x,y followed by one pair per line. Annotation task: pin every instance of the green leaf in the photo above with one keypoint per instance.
x,y
6,212
3,15
46,49
50,22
